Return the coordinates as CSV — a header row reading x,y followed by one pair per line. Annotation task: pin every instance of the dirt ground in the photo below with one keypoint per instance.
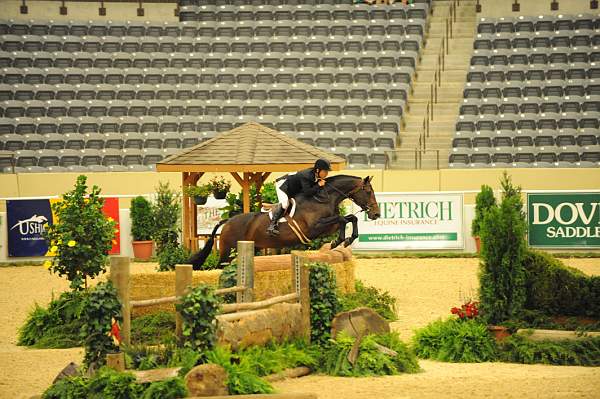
x,y
425,290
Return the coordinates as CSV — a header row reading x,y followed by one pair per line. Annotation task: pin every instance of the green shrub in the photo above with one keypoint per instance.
x,y
79,242
370,361
154,328
452,340
57,326
502,275
100,308
380,301
198,309
142,220
242,379
111,384
582,352
68,388
173,388
483,202
228,278
171,255
166,211
555,289
274,358
323,300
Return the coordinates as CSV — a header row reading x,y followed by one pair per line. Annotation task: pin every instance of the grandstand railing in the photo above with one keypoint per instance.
x,y
437,76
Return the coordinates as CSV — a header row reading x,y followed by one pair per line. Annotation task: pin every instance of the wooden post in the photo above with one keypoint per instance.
x,y
245,270
119,275
300,276
116,361
183,280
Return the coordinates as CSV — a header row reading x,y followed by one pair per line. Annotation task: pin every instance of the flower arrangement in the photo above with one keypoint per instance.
x,y
219,187
468,310
197,191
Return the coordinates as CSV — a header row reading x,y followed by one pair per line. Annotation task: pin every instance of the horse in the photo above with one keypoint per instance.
x,y
315,216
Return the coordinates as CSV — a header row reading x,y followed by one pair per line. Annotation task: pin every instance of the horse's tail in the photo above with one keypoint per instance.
x,y
199,257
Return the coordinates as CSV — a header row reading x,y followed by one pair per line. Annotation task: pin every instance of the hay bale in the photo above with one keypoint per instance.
x,y
272,277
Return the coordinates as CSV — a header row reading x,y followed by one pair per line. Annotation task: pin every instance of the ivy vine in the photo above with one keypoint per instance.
x,y
198,310
100,308
323,301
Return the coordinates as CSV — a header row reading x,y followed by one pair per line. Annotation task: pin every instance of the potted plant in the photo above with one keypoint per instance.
x,y
219,187
142,227
199,193
483,202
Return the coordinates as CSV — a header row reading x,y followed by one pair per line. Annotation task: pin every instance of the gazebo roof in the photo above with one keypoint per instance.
x,y
251,147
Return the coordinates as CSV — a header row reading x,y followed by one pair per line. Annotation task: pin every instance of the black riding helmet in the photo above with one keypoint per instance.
x,y
322,164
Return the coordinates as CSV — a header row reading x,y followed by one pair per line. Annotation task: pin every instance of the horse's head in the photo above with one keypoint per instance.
x,y
364,196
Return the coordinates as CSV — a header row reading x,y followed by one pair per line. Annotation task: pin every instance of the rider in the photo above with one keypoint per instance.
x,y
308,182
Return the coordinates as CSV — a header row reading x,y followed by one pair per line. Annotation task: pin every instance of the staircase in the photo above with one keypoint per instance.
x,y
445,75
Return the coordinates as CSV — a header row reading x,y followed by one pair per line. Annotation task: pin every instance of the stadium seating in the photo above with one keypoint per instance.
x,y
333,75
532,97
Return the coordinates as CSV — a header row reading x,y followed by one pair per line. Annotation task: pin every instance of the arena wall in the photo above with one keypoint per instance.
x,y
467,181
87,10
503,8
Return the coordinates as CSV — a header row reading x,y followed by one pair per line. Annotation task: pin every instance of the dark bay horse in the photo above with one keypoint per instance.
x,y
316,216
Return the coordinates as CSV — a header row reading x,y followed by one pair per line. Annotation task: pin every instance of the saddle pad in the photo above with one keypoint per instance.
x,y
282,219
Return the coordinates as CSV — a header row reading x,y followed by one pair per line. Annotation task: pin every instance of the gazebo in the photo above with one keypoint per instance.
x,y
250,153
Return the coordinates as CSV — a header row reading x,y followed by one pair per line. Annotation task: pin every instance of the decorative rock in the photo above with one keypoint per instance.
x,y
70,370
206,380
359,322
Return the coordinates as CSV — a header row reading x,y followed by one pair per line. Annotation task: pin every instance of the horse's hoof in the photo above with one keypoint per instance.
x,y
334,244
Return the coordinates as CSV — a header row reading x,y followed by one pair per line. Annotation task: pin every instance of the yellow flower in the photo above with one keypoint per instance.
x,y
54,249
72,243
116,231
114,242
109,219
47,265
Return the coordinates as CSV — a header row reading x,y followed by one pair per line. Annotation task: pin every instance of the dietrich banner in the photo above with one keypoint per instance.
x,y
413,221
562,220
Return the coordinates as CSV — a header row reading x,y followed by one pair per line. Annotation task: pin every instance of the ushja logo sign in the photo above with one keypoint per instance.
x,y
33,225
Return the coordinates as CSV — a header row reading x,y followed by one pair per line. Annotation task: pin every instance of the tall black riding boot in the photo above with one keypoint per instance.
x,y
272,230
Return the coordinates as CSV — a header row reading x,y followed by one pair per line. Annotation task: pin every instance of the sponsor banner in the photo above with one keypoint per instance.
x,y
26,220
562,220
413,222
25,224
209,215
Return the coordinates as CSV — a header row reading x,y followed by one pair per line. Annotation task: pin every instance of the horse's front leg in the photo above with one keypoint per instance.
x,y
354,220
342,221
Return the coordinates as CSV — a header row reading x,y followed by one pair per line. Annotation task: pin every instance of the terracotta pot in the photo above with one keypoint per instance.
x,y
500,333
220,194
142,249
200,200
477,243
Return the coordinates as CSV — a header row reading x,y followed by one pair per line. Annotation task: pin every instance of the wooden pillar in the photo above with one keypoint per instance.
x,y
119,276
183,280
190,212
245,270
186,212
300,277
246,192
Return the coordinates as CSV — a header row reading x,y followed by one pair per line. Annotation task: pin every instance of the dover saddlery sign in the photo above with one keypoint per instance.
x,y
564,219
413,222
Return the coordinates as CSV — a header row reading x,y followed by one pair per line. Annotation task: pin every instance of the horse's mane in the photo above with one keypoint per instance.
x,y
333,178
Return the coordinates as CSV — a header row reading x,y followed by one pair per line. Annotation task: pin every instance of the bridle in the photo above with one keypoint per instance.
x,y
350,195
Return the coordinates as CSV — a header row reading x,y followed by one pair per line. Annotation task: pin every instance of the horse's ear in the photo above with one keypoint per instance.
x,y
368,179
